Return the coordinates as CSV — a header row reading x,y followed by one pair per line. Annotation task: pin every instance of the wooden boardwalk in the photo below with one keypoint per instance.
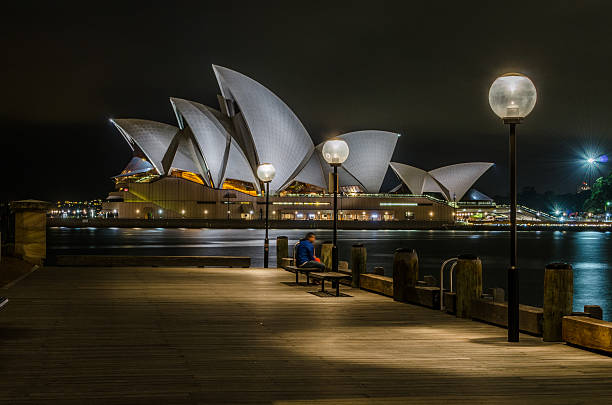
x,y
190,336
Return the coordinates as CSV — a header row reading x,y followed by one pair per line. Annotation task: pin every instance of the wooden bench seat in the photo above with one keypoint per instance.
x,y
304,270
332,276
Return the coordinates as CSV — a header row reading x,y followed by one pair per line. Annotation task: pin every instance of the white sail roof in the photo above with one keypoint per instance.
x,y
458,178
418,180
210,135
153,138
238,167
412,177
185,157
278,135
312,172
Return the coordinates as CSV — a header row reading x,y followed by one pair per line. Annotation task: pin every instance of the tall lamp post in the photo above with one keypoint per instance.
x,y
266,173
512,97
335,152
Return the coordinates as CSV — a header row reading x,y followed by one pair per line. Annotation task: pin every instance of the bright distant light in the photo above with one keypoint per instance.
x,y
591,161
557,212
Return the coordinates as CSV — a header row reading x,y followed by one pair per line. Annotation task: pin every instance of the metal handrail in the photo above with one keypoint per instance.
x,y
454,261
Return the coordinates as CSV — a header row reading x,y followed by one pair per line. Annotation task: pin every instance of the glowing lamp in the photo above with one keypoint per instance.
x,y
512,96
266,172
335,151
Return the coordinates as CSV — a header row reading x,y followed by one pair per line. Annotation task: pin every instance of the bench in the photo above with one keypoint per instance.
x,y
150,261
334,277
3,301
304,270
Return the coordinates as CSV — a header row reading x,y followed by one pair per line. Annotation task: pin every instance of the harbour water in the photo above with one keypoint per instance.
x,y
590,253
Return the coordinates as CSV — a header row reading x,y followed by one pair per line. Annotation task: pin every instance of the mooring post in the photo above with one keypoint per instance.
x,y
468,276
282,249
405,272
558,299
358,262
326,254
379,271
31,229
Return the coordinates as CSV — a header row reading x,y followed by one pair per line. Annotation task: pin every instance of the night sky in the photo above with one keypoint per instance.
x,y
419,68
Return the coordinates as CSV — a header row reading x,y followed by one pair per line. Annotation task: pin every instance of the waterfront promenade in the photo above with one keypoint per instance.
x,y
189,336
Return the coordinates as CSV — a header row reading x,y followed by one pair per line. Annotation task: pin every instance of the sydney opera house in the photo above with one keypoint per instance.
x,y
205,166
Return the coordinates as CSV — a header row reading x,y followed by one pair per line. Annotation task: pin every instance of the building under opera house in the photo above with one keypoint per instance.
x,y
205,165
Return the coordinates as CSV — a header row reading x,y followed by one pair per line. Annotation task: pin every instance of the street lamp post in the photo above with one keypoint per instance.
x,y
266,173
512,97
335,152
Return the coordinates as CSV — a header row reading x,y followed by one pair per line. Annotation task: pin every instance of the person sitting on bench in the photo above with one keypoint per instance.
x,y
305,256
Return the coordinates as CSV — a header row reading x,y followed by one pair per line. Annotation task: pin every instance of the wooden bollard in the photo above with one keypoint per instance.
x,y
380,271
558,299
282,249
594,310
326,254
359,258
405,272
468,273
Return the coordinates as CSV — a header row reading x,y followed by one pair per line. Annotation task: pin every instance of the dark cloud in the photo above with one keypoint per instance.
x,y
422,69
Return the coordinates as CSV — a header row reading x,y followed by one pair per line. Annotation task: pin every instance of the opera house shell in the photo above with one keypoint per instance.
x,y
220,149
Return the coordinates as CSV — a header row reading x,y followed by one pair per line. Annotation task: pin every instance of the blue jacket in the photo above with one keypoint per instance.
x,y
305,252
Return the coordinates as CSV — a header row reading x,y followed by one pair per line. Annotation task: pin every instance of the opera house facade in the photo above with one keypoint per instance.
x,y
205,166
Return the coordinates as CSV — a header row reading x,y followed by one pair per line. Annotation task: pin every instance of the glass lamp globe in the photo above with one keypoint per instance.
x,y
512,95
266,172
335,151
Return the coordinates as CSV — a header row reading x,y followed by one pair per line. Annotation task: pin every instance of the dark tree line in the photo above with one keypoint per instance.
x,y
593,200
601,195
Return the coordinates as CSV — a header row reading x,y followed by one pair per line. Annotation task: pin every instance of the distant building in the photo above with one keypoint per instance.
x,y
205,167
584,186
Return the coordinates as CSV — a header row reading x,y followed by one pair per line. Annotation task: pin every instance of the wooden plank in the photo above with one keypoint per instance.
x,y
588,332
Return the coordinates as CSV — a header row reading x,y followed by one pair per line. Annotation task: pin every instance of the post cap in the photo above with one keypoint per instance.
x,y
559,266
404,250
358,245
467,256
282,237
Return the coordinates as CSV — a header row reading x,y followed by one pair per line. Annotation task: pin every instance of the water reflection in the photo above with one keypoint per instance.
x,y
589,252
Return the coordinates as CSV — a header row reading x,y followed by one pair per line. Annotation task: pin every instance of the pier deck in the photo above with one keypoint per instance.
x,y
189,336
